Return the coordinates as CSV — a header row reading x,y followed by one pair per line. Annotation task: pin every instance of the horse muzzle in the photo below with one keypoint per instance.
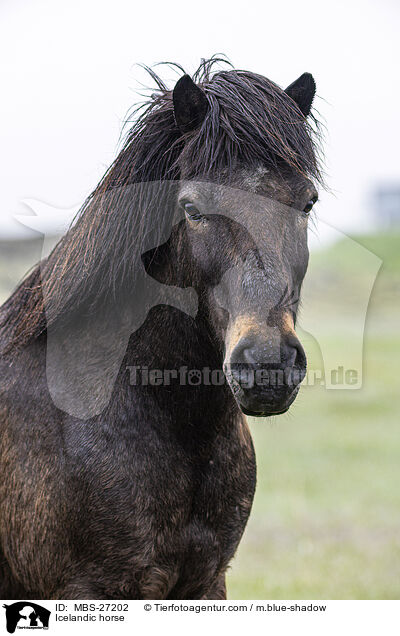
x,y
265,380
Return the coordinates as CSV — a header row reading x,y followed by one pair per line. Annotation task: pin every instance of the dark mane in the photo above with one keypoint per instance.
x,y
251,121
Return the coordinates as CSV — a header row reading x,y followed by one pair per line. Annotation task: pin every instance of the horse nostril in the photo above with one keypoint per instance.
x,y
244,352
249,356
250,351
291,355
294,354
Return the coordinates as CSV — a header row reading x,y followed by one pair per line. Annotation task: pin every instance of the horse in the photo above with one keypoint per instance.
x,y
132,353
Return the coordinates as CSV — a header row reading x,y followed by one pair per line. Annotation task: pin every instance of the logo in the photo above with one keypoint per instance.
x,y
26,615
83,360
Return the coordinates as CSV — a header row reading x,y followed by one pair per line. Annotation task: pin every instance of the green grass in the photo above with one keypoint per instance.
x,y
326,516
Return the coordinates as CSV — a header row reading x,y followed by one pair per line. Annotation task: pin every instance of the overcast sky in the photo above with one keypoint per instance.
x,y
68,78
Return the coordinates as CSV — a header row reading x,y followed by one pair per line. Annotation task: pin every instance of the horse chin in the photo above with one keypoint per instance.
x,y
263,408
265,413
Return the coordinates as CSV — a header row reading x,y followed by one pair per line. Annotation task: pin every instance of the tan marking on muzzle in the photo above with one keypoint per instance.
x,y
287,323
243,326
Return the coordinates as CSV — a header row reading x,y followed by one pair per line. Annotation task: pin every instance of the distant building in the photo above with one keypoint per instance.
x,y
387,206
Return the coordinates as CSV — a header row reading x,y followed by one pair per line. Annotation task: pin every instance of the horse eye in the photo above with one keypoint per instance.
x,y
307,209
192,212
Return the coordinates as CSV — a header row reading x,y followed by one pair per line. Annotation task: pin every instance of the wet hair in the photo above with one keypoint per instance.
x,y
250,122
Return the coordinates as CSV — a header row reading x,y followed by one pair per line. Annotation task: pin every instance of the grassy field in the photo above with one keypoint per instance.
x,y
326,517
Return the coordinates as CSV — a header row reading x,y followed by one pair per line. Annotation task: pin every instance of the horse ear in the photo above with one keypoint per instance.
x,y
190,104
302,91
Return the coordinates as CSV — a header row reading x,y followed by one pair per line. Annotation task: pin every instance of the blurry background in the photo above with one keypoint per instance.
x,y
326,518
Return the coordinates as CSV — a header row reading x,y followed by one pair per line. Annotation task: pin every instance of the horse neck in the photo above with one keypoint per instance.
x,y
180,350
171,337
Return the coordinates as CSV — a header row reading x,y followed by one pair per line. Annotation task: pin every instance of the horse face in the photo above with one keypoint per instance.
x,y
243,243
246,242
246,249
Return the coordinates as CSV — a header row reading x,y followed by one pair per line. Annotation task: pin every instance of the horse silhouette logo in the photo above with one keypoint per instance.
x,y
26,615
